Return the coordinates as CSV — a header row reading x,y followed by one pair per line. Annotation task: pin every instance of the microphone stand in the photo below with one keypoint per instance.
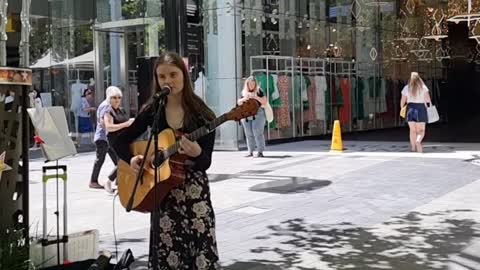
x,y
153,135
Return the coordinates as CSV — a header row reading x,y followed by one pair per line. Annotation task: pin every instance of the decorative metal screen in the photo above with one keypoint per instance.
x,y
10,143
13,137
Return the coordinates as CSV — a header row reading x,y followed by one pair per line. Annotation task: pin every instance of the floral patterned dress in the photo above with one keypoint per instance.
x,y
186,230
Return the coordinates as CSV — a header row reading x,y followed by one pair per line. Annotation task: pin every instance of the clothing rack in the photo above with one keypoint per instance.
x,y
345,69
367,69
315,66
311,67
272,64
341,67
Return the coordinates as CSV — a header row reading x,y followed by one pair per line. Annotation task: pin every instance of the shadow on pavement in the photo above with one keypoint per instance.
x,y
415,241
409,242
251,266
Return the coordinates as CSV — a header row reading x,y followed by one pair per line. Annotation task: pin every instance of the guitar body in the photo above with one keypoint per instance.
x,y
172,169
171,172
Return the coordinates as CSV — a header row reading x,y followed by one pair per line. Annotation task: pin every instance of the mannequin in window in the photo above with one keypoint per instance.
x,y
76,91
84,123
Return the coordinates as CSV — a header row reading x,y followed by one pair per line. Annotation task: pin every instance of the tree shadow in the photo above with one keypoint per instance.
x,y
251,266
414,241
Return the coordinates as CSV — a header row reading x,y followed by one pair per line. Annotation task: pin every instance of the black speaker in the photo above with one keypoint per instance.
x,y
145,78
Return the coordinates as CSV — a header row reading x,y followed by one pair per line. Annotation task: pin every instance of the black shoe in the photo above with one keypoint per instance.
x,y
260,154
95,185
249,155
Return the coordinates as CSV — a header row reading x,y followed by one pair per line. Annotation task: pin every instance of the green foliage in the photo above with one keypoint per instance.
x,y
41,40
132,9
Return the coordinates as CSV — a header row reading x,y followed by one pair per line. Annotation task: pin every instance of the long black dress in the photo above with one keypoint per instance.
x,y
186,237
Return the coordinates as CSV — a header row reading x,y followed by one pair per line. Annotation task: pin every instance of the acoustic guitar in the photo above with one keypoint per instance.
x,y
172,164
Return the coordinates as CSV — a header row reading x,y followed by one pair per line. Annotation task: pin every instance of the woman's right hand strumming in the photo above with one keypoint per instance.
x,y
242,100
135,163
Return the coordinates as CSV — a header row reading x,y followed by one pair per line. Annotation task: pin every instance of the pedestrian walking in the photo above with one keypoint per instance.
x,y
415,98
109,117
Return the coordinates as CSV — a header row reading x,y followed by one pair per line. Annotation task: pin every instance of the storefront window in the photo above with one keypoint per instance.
x,y
316,60
127,34
94,44
320,61
71,70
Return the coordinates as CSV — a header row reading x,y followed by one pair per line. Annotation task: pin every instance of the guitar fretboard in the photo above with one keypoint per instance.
x,y
195,135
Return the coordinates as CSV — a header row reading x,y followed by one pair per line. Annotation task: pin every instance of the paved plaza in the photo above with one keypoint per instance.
x,y
376,206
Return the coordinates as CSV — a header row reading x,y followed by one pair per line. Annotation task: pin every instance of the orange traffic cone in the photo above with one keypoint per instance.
x,y
337,145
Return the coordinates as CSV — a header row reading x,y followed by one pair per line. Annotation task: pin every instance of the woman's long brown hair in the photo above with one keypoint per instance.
x,y
193,106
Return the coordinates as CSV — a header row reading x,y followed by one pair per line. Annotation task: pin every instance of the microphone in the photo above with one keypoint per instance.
x,y
165,91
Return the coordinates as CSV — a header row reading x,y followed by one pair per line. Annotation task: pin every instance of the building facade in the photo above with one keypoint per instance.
x,y
317,60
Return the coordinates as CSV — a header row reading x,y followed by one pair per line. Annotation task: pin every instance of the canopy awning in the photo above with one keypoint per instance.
x,y
45,62
84,61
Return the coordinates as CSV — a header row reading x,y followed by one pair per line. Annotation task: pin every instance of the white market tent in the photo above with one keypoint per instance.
x,y
85,62
45,62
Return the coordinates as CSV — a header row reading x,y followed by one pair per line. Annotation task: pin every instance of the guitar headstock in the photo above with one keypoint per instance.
x,y
248,108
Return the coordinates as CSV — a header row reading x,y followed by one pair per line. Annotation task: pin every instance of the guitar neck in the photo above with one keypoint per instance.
x,y
197,134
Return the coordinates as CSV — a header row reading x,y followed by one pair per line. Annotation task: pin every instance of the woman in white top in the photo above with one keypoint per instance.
x,y
254,126
415,96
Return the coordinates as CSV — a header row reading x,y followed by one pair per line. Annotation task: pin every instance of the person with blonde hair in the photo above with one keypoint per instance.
x,y
415,97
110,119
254,126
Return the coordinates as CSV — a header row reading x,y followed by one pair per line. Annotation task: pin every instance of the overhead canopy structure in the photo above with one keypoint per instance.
x,y
45,62
84,61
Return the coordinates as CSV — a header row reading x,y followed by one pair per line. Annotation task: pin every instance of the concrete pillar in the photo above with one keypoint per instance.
x,y
99,44
152,48
24,47
223,61
115,39
3,32
124,72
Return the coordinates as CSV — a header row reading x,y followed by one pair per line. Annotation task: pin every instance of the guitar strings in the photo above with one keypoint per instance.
x,y
194,135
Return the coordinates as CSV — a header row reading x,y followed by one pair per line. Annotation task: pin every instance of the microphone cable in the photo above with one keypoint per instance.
x,y
114,229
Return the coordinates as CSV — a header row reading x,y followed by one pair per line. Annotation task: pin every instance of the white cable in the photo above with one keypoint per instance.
x,y
114,230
